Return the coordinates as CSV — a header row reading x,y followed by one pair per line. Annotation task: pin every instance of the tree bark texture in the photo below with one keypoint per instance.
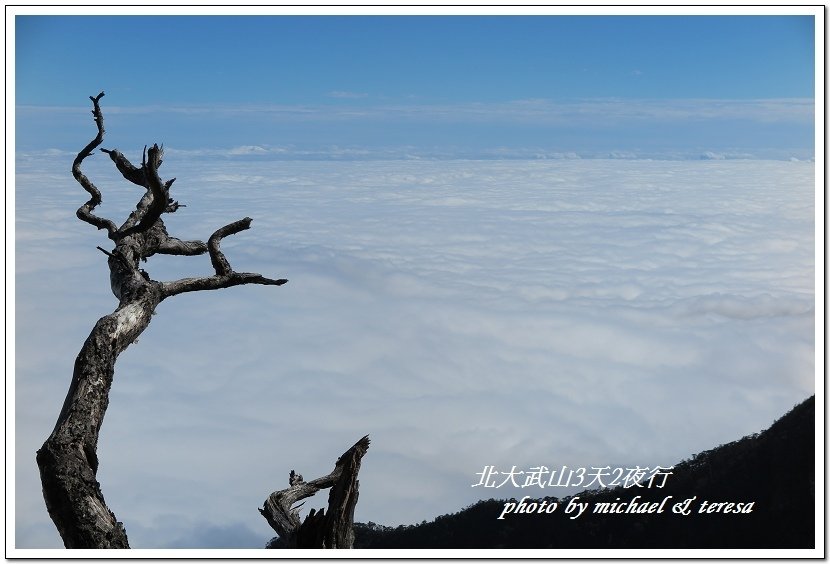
x,y
321,529
68,460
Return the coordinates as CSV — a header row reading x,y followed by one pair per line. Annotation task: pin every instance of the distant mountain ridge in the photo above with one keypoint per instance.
x,y
774,470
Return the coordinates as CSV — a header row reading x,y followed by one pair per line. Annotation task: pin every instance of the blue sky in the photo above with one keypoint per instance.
x,y
450,83
298,60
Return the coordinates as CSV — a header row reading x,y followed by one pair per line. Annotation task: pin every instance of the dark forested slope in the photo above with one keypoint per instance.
x,y
775,470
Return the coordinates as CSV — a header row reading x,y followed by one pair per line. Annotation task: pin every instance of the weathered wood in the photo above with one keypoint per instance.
x,y
68,460
321,529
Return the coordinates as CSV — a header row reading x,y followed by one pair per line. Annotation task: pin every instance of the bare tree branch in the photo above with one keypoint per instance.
x,y
127,169
225,276
84,212
173,246
169,289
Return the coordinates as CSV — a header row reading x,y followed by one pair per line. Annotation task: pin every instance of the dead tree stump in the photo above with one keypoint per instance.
x,y
321,529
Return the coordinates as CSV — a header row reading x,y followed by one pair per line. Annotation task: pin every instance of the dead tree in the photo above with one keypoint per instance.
x,y
68,461
334,529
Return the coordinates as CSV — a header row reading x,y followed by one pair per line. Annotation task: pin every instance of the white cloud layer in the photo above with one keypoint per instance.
x,y
463,313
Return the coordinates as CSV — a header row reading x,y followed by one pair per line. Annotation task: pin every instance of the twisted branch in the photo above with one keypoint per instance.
x,y
84,212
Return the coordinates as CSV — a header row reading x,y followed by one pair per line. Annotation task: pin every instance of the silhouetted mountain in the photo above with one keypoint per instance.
x,y
773,470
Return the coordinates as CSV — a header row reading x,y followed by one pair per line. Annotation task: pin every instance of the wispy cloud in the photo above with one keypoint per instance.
x,y
795,110
516,129
633,111
252,150
347,95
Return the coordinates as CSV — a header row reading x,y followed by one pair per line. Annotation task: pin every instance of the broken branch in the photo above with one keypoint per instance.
x,y
158,191
217,259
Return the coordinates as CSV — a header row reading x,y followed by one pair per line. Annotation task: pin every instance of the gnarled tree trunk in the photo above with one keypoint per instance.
x,y
68,461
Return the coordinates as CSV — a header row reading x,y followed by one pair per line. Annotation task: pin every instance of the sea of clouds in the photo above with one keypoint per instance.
x,y
463,313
